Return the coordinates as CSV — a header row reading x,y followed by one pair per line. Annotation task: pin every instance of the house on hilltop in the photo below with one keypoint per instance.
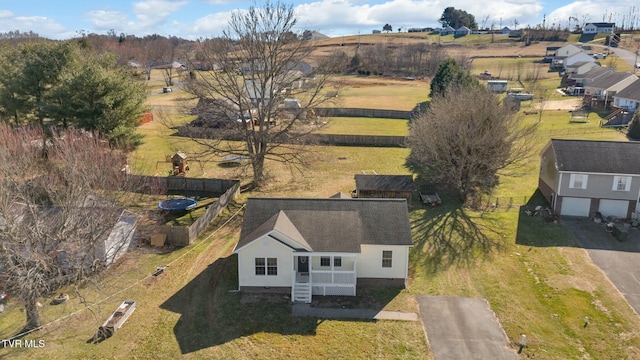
x,y
599,28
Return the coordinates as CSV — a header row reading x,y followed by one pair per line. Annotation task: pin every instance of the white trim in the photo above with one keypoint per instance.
x,y
583,182
559,185
627,184
598,173
266,235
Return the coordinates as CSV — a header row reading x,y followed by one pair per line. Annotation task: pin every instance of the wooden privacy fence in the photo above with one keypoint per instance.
x,y
357,140
323,139
357,112
225,190
183,185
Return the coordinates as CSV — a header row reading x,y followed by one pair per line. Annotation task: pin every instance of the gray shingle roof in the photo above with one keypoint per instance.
x,y
385,182
593,73
608,80
611,157
631,92
328,225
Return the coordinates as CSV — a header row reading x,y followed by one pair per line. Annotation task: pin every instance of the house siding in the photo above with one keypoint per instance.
x,y
600,186
579,57
549,175
369,263
627,104
265,247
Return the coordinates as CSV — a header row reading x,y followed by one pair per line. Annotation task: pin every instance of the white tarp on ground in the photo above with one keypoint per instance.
x,y
119,239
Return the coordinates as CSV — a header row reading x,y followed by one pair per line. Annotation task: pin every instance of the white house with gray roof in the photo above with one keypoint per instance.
x,y
311,247
600,92
628,98
582,177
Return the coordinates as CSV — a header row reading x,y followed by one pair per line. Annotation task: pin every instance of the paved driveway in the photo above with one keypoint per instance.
x,y
620,261
463,328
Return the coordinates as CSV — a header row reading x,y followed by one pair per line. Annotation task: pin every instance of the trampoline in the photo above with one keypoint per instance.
x,y
177,204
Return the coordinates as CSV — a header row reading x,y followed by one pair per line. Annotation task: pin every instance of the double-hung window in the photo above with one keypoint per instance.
x,y
578,181
621,183
387,257
266,266
325,261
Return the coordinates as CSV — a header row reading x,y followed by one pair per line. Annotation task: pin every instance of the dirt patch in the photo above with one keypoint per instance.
x,y
568,104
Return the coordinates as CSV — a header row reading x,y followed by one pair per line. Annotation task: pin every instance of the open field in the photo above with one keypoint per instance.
x,y
365,126
536,279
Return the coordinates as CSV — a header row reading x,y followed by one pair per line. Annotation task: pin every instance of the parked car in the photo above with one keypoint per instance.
x,y
600,56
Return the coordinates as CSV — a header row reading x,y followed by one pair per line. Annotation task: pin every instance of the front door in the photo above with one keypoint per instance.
x,y
303,264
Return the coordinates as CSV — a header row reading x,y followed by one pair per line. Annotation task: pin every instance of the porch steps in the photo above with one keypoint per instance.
x,y
302,293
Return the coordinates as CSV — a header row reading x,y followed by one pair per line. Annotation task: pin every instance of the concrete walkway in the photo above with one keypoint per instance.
x,y
366,314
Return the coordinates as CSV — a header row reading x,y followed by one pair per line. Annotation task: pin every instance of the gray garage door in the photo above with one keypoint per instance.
x,y
614,207
575,206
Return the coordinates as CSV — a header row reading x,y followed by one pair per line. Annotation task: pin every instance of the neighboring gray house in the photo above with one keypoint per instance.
x,y
577,57
564,52
580,67
599,28
628,98
582,177
590,76
600,92
306,247
463,30
447,30
505,31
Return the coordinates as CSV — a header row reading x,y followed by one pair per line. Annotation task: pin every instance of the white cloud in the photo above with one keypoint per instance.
x,y
152,13
210,25
333,16
5,14
219,2
107,19
39,24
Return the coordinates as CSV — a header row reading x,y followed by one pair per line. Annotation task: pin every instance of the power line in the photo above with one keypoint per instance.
x,y
131,285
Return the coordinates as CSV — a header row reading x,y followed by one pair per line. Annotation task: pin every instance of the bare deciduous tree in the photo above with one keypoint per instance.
x,y
254,67
57,208
466,139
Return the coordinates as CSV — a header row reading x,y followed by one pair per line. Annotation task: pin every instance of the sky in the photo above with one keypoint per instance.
x,y
194,19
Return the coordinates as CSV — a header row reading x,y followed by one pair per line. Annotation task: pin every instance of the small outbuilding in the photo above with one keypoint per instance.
x,y
179,164
384,186
497,86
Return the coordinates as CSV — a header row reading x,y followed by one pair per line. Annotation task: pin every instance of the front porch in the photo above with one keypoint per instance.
x,y
325,274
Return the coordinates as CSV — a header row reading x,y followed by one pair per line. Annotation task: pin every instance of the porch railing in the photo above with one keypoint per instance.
x,y
333,277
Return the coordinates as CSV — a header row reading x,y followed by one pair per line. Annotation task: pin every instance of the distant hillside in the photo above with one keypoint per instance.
x,y
317,36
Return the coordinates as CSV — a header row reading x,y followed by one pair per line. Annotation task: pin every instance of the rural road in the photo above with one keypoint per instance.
x,y
628,56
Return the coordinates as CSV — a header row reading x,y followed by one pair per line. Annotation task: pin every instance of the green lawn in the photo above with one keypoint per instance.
x,y
380,93
365,126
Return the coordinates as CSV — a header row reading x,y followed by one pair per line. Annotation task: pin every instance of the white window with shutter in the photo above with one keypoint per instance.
x,y
578,181
621,183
